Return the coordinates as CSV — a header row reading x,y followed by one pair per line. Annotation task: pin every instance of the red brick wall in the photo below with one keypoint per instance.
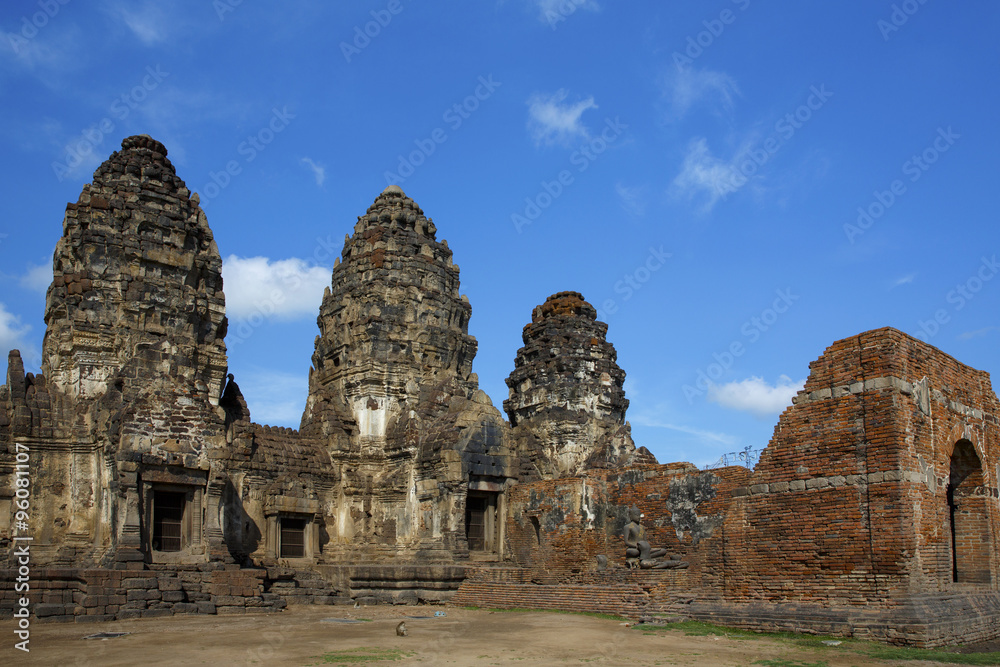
x,y
849,504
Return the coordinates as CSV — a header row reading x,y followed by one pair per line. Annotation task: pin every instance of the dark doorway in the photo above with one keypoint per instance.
x,y
968,518
480,520
168,516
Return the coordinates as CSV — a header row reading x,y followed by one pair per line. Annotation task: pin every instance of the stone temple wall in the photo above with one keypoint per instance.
x,y
874,511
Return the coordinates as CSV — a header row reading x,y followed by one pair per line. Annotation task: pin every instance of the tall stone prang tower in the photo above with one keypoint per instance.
x,y
391,390
137,284
133,367
392,322
567,405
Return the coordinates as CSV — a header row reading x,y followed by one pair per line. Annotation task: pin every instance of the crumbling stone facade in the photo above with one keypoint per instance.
x,y
567,403
392,395
874,511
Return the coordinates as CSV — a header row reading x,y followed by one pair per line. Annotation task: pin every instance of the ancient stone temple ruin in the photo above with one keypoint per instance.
x,y
873,512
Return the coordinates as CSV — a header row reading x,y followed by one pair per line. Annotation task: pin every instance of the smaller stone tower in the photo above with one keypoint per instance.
x,y
567,405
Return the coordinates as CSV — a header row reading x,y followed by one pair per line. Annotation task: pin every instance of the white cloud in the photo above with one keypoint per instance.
x,y
551,121
978,332
755,395
14,336
687,87
905,280
37,278
632,199
284,289
319,171
706,175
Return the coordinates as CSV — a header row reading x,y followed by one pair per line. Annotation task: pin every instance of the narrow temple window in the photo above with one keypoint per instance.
x,y
168,514
293,538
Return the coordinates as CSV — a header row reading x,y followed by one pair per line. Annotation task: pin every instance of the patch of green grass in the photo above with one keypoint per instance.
x,y
869,649
363,654
881,652
790,663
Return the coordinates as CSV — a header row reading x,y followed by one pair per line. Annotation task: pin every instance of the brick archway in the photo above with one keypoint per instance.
x,y
968,518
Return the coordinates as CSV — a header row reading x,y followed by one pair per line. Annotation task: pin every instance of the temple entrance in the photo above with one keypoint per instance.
x,y
481,520
968,518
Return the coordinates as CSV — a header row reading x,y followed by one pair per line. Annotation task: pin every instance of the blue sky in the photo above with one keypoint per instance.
x,y
733,184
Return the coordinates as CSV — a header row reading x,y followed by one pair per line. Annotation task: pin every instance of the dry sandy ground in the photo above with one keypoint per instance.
x,y
302,635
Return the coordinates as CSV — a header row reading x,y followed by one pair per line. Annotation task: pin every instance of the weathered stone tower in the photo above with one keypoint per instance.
x,y
567,405
133,366
393,396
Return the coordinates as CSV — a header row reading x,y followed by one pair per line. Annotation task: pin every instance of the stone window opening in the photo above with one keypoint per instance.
x,y
292,540
172,522
290,533
968,518
538,530
168,520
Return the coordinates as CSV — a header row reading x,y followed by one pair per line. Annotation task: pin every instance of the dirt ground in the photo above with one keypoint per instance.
x,y
311,635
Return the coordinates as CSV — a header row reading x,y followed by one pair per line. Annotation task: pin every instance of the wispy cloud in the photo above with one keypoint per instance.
x,y
706,177
632,199
687,87
631,388
52,51
284,289
755,395
977,333
146,20
706,436
14,336
551,120
37,278
905,280
319,171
